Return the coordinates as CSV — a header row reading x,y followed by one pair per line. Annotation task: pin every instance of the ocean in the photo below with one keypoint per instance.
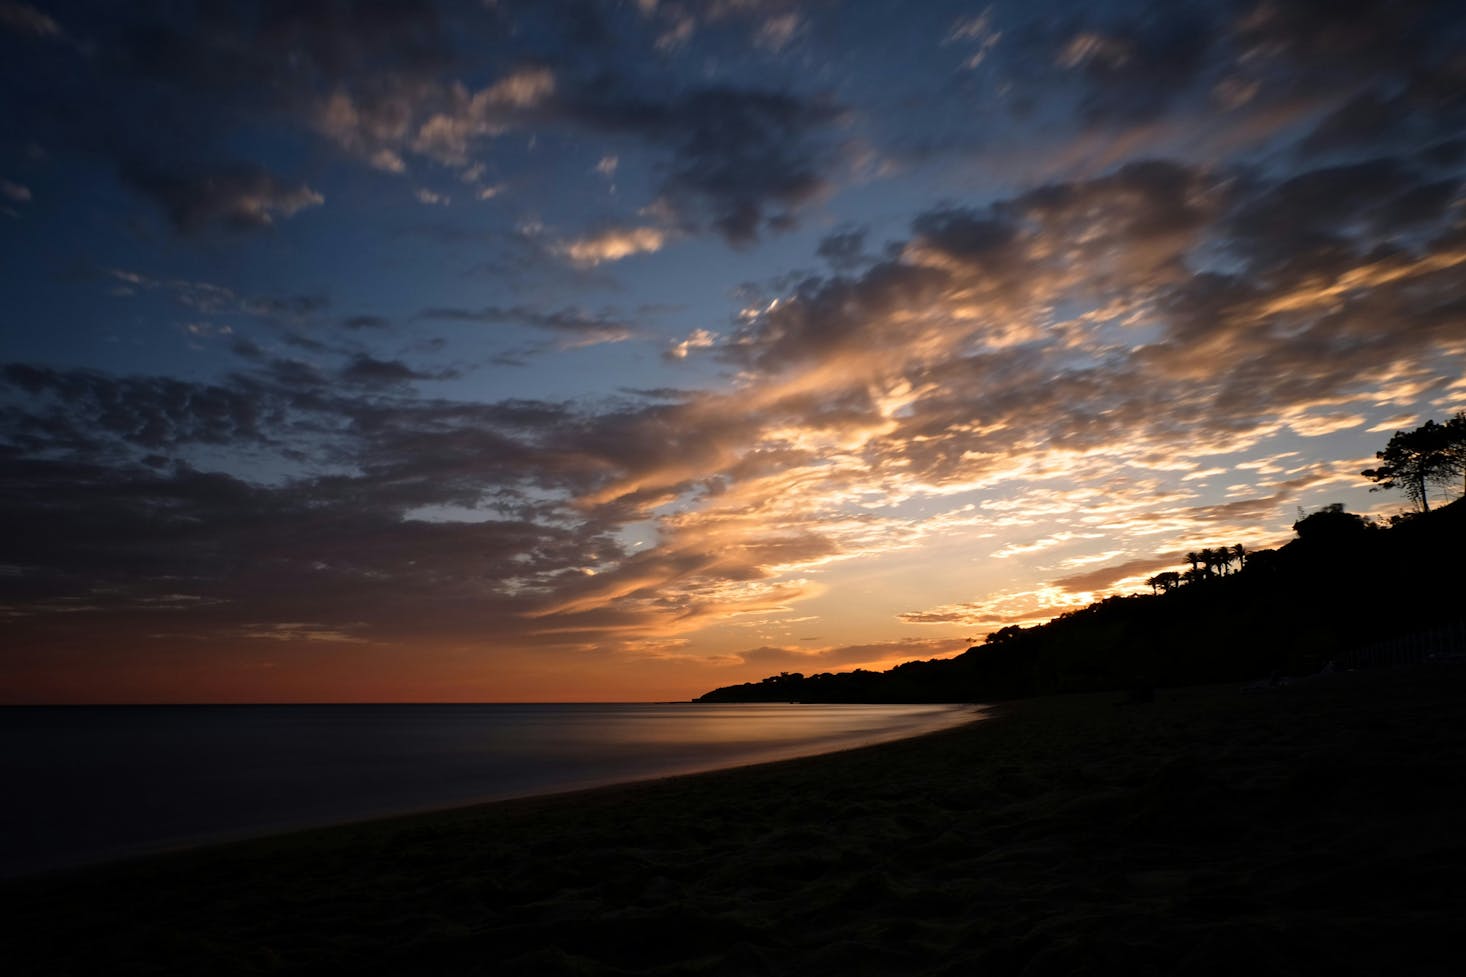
x,y
91,783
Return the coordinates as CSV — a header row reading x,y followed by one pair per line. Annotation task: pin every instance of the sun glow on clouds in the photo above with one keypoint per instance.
x,y
613,245
607,424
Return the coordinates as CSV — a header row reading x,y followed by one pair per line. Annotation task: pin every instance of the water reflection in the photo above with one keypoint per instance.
x,y
92,782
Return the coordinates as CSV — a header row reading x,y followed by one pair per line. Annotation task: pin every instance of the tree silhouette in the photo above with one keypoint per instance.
x,y
1164,583
1332,528
1431,454
1224,559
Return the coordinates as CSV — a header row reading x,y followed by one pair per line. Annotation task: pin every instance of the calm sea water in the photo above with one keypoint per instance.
x,y
89,783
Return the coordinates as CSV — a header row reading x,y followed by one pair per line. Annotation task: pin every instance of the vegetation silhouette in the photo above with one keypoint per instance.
x,y
1343,584
1431,454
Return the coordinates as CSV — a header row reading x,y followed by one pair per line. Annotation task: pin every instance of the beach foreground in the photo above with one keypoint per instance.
x,y
1309,829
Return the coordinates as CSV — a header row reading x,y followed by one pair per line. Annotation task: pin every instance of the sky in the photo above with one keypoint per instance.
x,y
570,350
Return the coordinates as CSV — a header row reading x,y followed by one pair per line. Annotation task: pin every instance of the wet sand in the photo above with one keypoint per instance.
x,y
1313,829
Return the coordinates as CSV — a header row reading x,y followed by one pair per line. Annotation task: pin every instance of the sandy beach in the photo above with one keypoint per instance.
x,y
1308,829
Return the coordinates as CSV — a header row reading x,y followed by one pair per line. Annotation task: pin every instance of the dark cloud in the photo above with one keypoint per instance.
x,y
975,239
163,93
247,349
239,197
287,307
1145,205
115,541
826,317
567,319
301,341
276,50
366,322
1323,220
1367,120
1384,76
104,509
1325,42
844,250
390,82
357,37
1391,72
743,160
1135,70
23,18
580,325
368,371
1105,577
82,411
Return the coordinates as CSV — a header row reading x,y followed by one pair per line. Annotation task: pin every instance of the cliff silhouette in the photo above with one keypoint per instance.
x,y
1346,592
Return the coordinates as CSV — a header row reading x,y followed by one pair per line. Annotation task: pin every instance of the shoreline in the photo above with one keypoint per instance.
x,y
1308,829
205,837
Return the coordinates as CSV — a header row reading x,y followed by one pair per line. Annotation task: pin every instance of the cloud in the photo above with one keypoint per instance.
x,y
1064,359
82,411
368,371
22,18
15,192
697,339
612,244
743,161
239,197
769,24
1003,609
397,86
776,32
844,250
576,326
1136,70
366,322
1103,578
978,34
447,135
388,118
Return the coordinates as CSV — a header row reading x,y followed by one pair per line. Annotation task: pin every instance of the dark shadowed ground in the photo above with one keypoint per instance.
x,y
1313,829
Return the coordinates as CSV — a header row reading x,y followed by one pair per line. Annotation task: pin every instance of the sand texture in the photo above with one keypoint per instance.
x,y
1314,829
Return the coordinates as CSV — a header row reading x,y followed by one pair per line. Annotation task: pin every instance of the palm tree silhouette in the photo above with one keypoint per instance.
x,y
1208,560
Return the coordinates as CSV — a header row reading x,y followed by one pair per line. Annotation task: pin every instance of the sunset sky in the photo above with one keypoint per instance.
x,y
620,350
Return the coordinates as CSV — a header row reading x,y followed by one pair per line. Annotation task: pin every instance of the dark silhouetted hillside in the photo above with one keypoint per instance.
x,y
1342,585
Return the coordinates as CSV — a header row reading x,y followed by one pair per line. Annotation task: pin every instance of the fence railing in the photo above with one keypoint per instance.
x,y
1440,644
